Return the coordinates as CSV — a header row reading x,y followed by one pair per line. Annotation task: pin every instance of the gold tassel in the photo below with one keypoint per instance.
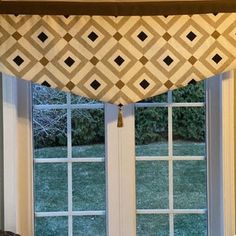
x,y
120,118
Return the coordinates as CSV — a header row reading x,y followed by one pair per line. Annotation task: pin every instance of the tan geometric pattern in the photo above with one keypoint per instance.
x,y
117,59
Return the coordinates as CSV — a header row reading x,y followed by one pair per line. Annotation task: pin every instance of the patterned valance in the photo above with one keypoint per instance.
x,y
119,60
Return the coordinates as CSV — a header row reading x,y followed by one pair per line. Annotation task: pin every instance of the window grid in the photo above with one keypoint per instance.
x,y
170,158
69,160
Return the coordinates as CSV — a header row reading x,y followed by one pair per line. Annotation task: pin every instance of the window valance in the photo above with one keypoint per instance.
x,y
121,59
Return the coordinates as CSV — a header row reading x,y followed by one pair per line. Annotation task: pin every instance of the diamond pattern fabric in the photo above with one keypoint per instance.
x,y
119,60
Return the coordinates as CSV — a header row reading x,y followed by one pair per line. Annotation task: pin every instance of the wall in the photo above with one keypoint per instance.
x,y
235,141
1,158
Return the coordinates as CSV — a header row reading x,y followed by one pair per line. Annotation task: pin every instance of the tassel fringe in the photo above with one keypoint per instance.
x,y
120,123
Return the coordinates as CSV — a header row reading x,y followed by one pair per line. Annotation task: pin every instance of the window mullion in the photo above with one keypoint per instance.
x,y
69,164
120,169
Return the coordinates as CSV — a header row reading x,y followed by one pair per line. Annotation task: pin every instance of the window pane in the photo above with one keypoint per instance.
x,y
159,98
190,184
75,99
50,226
50,187
88,186
43,95
189,131
153,225
89,225
151,131
50,133
185,225
152,184
88,133
190,93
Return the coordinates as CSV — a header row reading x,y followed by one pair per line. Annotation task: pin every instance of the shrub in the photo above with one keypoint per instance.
x,y
151,123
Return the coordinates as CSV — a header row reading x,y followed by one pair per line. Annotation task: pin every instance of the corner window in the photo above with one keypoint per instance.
x,y
102,182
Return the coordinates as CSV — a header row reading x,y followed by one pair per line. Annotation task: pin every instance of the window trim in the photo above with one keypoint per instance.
x,y
120,160
1,159
214,121
18,166
228,149
20,174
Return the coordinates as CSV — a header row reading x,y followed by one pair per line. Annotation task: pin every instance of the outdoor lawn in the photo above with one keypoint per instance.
x,y
88,186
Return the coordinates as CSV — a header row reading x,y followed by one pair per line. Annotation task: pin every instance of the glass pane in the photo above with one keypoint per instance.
x,y
43,95
190,183
190,93
149,225
152,184
185,225
151,131
88,133
159,98
75,99
50,226
189,131
50,133
50,183
89,225
88,186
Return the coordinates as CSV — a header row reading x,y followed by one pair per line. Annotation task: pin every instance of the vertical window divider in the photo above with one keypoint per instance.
x,y
69,165
120,164
170,162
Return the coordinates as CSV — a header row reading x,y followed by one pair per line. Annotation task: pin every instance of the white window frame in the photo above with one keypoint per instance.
x,y
18,163
171,158
69,160
17,152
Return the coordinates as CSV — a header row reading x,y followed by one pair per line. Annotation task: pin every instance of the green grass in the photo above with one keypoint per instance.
x,y
96,150
88,186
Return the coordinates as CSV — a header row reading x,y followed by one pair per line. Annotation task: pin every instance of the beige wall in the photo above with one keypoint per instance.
x,y
1,159
235,139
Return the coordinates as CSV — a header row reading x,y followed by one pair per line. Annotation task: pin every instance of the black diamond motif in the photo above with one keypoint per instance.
x,y
168,60
217,58
45,83
95,84
92,36
193,82
142,36
42,37
69,61
119,60
191,36
18,60
144,84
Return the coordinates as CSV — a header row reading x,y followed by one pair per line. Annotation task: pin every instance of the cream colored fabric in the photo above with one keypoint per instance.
x,y
117,59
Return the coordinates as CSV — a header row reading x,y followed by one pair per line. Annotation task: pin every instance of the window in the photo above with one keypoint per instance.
x,y
171,164
120,161
69,164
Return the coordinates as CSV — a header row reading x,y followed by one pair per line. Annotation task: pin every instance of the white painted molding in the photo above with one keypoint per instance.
x,y
228,151
18,162
120,161
214,162
9,153
221,178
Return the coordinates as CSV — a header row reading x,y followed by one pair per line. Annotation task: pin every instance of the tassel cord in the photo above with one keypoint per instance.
x,y
120,123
